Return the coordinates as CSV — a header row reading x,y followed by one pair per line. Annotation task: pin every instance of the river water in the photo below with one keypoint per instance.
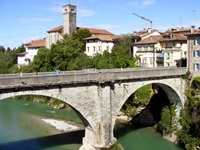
x,y
22,128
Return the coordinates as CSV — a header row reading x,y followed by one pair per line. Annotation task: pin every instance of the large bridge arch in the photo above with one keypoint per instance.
x,y
173,87
83,99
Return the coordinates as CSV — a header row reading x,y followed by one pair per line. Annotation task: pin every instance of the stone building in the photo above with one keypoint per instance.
x,y
193,40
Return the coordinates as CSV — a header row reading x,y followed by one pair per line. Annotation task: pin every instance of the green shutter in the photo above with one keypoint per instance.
x,y
194,53
194,41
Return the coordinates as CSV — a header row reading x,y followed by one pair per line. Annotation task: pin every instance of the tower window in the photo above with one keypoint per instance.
x,y
73,10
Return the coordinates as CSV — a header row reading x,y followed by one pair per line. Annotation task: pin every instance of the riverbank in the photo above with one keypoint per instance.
x,y
53,126
61,125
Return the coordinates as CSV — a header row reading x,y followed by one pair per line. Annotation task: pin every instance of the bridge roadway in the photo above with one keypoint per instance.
x,y
86,76
96,95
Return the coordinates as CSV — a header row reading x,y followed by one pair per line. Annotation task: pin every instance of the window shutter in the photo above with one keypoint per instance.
x,y
194,41
194,53
194,66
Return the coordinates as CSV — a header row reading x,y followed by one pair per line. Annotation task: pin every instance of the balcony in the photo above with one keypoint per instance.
x,y
171,49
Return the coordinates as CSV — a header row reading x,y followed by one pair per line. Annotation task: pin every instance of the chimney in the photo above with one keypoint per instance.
x,y
192,29
149,30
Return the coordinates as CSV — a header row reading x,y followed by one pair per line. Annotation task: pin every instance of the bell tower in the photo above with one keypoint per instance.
x,y
69,19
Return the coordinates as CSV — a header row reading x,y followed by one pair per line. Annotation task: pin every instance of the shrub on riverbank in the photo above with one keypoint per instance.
x,y
55,103
189,134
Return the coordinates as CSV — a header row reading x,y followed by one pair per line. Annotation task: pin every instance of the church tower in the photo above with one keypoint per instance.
x,y
69,19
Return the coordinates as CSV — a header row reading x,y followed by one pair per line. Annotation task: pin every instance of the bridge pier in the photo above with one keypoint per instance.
x,y
91,142
100,136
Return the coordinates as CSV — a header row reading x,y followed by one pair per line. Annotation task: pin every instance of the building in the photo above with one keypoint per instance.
x,y
146,49
31,50
166,49
69,27
193,40
174,49
99,43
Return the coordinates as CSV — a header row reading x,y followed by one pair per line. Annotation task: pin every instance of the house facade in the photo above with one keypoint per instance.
x,y
193,40
99,43
168,49
31,50
174,49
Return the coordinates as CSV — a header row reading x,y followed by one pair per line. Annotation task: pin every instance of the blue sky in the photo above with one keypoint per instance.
x,y
24,20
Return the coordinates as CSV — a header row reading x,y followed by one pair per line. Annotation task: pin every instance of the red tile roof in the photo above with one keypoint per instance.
x,y
174,37
23,53
56,29
195,33
96,31
92,30
108,38
150,40
69,5
36,43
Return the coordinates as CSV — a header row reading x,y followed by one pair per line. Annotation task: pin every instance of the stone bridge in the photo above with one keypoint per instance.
x,y
96,95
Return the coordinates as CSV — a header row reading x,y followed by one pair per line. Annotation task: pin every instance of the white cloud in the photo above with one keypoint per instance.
x,y
147,3
132,4
25,20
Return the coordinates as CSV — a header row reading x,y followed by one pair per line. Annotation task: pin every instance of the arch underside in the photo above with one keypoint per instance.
x,y
59,94
173,87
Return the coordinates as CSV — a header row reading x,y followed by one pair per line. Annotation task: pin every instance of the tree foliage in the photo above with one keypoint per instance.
x,y
8,58
169,120
139,98
189,134
120,57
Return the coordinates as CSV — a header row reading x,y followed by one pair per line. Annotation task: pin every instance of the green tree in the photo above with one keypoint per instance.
x,y
139,98
42,61
168,119
2,49
64,52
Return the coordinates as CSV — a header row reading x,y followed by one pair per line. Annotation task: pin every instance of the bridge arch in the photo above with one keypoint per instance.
x,y
72,97
173,88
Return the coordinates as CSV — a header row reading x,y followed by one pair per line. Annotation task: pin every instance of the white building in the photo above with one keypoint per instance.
x,y
99,43
147,50
31,50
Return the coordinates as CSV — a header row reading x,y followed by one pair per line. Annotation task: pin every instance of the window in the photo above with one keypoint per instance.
x,y
94,48
197,41
168,55
196,53
107,48
144,60
88,49
151,60
197,66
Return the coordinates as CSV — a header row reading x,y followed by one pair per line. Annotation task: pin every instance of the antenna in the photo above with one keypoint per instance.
x,y
144,19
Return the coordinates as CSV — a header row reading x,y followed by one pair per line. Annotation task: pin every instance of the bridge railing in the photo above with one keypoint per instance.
x,y
86,76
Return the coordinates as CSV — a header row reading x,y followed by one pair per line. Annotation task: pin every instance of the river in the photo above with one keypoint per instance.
x,y
22,128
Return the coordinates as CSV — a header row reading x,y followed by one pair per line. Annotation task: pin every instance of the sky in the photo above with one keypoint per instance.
x,y
24,20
